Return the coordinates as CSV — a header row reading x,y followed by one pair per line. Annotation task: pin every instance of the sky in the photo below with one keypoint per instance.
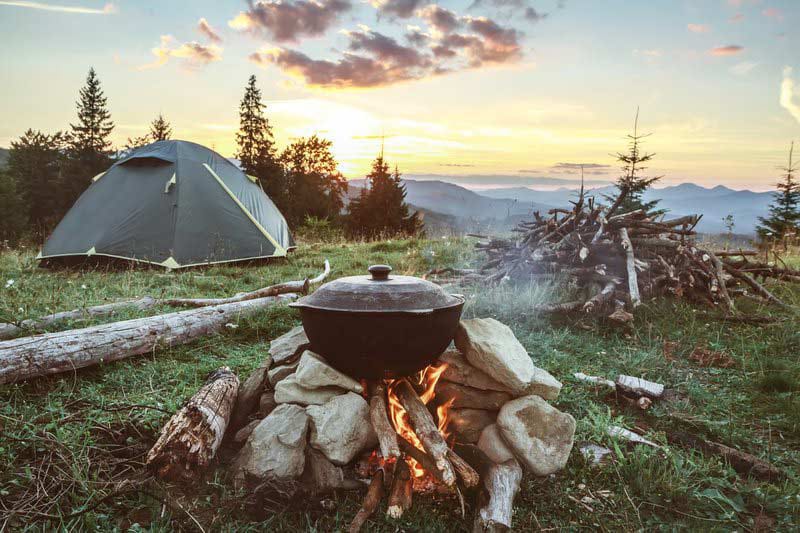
x,y
477,87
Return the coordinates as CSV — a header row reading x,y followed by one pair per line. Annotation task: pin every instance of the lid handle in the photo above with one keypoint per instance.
x,y
380,272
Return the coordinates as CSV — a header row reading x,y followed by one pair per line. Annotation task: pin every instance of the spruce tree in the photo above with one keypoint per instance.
x,y
256,146
160,129
784,212
13,218
631,185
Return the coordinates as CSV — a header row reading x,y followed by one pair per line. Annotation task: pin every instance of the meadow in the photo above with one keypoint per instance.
x,y
72,446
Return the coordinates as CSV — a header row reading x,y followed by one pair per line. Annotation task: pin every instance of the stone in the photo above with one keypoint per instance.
x,y
243,434
266,404
640,386
341,428
492,444
279,373
462,396
320,475
460,371
289,391
540,435
491,346
249,393
314,372
276,447
467,424
288,346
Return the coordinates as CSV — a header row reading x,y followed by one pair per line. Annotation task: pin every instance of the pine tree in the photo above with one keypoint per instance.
x,y
784,212
13,218
92,132
380,208
257,153
160,129
631,185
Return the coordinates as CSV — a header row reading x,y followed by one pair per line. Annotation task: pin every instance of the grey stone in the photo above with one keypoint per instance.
x,y
243,434
341,428
461,396
313,372
492,444
266,404
320,475
459,370
467,424
249,393
289,391
276,447
279,373
540,435
289,345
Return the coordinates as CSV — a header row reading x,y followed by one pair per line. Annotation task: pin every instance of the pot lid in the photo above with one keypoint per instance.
x,y
379,291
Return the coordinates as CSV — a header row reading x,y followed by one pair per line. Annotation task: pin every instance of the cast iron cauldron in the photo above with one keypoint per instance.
x,y
380,326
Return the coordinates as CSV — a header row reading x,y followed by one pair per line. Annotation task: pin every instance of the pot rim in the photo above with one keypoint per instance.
x,y
418,312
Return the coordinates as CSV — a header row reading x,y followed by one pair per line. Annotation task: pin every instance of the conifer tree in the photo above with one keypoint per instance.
x,y
256,146
631,184
12,211
160,129
784,212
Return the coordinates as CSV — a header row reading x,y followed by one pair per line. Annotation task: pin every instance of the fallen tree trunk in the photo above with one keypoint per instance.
x,y
190,439
65,351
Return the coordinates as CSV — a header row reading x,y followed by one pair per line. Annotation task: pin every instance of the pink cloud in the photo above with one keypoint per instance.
x,y
773,13
699,28
729,50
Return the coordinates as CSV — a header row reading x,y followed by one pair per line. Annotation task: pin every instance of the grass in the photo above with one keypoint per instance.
x,y
71,446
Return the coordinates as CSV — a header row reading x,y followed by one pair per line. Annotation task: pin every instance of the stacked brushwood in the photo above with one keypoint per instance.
x,y
617,260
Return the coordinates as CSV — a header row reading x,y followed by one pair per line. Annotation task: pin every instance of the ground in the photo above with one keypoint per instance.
x,y
71,447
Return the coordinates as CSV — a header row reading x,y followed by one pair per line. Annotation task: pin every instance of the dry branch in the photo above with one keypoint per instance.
x,y
370,504
190,439
379,416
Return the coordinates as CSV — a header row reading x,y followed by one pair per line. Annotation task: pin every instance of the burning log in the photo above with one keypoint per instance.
x,y
378,415
468,476
401,494
190,439
426,430
370,504
501,483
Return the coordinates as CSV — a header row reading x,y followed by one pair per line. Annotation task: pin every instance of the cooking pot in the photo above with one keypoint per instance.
x,y
380,325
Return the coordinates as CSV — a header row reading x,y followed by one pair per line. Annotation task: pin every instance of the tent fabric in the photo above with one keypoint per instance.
x,y
176,204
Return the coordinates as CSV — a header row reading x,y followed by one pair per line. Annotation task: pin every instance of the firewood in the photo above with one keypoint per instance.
x,y
426,430
379,416
67,351
190,439
742,462
633,283
401,494
422,457
370,503
501,484
468,476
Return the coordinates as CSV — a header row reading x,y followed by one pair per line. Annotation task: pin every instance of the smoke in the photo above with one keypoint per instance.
x,y
787,100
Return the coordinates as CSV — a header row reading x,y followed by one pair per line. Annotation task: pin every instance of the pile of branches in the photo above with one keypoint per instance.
x,y
618,259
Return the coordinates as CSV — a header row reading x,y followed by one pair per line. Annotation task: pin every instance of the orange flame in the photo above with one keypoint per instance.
x,y
428,378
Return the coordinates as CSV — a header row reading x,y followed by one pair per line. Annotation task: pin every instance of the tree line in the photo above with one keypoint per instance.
x,y
47,172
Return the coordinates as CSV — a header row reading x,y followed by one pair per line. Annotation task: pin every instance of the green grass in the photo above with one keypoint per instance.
x,y
74,444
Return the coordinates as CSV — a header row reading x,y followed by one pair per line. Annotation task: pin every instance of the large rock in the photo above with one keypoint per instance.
x,y
276,447
467,424
289,391
249,393
279,373
314,372
341,428
288,346
492,444
320,474
461,396
266,404
460,371
540,435
492,347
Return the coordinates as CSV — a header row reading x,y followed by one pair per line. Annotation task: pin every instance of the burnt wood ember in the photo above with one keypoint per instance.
x,y
401,494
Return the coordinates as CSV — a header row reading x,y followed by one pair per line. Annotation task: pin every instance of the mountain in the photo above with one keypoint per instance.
x,y
490,181
687,198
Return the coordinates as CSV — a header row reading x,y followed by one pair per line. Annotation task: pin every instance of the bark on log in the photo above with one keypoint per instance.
x,y
468,476
756,286
630,262
426,430
190,439
420,457
65,351
501,483
401,494
742,462
379,416
370,504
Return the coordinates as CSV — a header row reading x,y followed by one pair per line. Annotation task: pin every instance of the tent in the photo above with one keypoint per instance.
x,y
175,204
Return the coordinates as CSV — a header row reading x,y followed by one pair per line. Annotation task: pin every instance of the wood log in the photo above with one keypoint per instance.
x,y
720,274
189,441
501,484
468,476
370,503
426,430
401,493
630,261
601,298
67,351
742,462
756,286
379,416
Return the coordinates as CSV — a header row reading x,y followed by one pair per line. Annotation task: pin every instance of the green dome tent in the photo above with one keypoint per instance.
x,y
175,204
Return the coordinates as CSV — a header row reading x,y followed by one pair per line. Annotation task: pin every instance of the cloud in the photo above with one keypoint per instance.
x,y
386,49
193,54
417,37
788,94
397,8
698,28
773,13
456,165
205,28
287,21
107,9
729,50
743,68
529,12
575,168
439,18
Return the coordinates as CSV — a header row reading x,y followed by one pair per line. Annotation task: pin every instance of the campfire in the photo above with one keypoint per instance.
x,y
464,427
